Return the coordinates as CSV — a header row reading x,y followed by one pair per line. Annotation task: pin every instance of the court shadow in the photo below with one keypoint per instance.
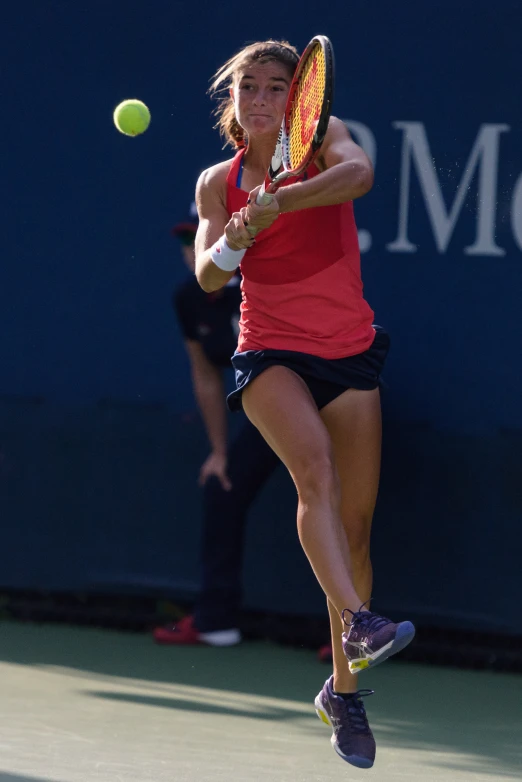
x,y
5,777
251,710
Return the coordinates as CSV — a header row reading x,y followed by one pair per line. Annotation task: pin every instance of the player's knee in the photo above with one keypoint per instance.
x,y
317,478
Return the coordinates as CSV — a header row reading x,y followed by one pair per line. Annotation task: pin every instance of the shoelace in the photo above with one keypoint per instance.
x,y
353,709
369,619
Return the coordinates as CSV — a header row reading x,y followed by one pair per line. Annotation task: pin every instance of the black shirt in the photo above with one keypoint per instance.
x,y
209,318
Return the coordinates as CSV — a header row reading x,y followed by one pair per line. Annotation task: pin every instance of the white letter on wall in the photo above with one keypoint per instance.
x,y
483,156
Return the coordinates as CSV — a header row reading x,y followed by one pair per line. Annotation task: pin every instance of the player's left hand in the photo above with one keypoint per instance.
x,y
257,216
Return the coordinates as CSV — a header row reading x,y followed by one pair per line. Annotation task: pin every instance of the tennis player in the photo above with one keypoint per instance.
x,y
309,359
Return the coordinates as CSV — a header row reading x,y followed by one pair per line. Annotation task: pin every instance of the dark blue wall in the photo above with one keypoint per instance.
x,y
88,266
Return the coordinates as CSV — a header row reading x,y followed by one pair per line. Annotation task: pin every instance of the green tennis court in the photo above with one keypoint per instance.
x,y
93,705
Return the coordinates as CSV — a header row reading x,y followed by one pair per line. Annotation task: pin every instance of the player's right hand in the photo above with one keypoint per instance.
x,y
215,464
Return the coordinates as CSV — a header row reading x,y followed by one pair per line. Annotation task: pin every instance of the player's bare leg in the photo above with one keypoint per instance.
x,y
281,406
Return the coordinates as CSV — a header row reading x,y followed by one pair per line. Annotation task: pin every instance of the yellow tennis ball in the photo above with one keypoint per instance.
x,y
131,117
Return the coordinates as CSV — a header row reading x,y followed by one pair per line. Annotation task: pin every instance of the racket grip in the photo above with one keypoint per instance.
x,y
263,198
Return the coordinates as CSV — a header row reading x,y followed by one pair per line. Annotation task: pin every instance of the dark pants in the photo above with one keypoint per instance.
x,y
251,462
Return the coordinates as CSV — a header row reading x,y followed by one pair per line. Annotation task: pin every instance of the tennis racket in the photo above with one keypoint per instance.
x,y
306,117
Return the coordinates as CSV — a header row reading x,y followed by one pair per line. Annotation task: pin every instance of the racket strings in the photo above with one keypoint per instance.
x,y
307,107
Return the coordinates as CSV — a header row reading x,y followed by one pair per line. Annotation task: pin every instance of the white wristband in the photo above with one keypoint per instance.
x,y
224,257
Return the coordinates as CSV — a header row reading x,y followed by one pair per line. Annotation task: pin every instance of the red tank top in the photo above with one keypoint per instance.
x,y
301,281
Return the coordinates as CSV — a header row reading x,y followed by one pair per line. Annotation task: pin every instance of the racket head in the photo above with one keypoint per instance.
x,y
309,106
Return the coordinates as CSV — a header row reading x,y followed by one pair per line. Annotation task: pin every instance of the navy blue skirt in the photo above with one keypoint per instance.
x,y
326,378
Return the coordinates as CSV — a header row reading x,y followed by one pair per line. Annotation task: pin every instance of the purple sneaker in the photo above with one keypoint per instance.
x,y
352,738
372,638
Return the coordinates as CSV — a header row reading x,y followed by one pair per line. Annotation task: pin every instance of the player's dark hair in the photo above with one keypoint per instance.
x,y
261,52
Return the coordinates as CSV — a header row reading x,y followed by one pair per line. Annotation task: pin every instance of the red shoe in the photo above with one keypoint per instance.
x,y
325,654
184,633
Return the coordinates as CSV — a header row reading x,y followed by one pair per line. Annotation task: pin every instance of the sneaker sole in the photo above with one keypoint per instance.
x,y
222,637
404,636
354,760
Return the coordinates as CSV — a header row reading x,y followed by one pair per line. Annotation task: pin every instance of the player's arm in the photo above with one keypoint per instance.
x,y
346,174
215,228
209,390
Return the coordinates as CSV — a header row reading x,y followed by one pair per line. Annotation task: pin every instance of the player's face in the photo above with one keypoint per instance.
x,y
260,92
